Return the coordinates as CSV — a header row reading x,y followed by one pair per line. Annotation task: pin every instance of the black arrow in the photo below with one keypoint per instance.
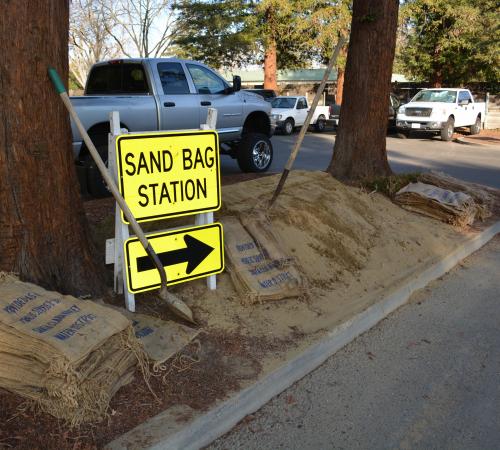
x,y
194,253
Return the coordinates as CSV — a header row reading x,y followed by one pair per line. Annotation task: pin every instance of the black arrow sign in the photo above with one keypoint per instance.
x,y
194,253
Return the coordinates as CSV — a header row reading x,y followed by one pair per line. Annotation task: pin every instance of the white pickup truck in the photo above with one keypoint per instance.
x,y
441,111
291,112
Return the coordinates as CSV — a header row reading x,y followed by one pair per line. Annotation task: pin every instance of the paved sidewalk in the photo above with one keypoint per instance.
x,y
478,139
427,377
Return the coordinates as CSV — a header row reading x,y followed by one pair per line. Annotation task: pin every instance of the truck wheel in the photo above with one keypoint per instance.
x,y
255,153
447,130
476,128
289,126
320,124
95,183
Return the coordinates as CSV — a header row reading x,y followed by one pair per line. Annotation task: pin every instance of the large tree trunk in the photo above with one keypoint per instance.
x,y
360,147
43,231
270,68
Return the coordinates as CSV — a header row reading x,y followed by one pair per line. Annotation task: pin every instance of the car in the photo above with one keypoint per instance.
x,y
169,94
267,94
334,112
291,112
440,111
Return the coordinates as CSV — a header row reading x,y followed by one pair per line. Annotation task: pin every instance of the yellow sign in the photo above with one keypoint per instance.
x,y
186,254
165,175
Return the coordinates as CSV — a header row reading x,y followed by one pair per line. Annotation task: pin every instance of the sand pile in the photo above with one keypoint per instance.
x,y
350,246
330,228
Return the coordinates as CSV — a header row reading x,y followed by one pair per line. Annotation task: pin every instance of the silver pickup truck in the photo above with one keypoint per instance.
x,y
169,94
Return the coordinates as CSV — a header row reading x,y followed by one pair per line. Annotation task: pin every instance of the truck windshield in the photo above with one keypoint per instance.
x,y
117,78
443,96
284,102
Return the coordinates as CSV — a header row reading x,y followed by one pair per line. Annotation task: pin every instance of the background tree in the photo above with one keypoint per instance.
x,y
141,28
89,41
43,232
326,22
282,34
360,146
278,32
450,41
218,33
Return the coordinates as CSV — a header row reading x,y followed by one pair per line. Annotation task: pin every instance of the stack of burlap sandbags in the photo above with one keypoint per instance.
x,y
456,208
69,356
259,268
481,195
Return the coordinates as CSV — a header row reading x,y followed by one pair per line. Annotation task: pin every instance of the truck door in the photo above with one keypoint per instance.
x,y
177,105
301,114
214,92
466,113
462,112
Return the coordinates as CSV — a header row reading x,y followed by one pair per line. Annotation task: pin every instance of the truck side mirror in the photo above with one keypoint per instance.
x,y
236,83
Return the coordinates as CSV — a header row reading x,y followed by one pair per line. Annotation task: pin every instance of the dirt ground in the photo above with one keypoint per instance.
x,y
491,137
353,247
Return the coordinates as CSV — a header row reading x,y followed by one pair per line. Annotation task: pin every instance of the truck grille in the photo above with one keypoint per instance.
x,y
418,112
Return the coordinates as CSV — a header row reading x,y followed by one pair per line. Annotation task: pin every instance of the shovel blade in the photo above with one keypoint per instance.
x,y
176,305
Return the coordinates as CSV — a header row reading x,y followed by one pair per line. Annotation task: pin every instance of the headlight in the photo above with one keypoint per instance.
x,y
276,116
401,109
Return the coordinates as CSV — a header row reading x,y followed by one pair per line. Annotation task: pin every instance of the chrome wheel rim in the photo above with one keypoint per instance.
x,y
289,127
261,154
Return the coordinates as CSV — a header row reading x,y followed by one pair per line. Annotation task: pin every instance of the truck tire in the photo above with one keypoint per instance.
x,y
476,128
447,130
320,124
255,153
95,183
289,126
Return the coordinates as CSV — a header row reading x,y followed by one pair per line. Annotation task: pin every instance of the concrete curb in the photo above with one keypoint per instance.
x,y
205,429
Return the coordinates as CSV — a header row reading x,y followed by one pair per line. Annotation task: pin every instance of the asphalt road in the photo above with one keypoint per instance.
x,y
476,163
427,377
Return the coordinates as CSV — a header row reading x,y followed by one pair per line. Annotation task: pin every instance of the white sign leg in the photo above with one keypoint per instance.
x,y
121,229
206,218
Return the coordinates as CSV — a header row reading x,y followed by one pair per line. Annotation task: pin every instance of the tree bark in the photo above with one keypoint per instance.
x,y
270,68
43,229
437,72
339,96
360,147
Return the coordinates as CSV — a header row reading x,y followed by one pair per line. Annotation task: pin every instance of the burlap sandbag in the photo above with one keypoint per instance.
x,y
68,355
456,208
161,339
260,229
255,275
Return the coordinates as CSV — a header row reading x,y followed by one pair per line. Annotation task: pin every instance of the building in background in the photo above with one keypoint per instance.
x,y
297,82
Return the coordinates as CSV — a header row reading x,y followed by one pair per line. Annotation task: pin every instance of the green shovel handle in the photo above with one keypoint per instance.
x,y
56,81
